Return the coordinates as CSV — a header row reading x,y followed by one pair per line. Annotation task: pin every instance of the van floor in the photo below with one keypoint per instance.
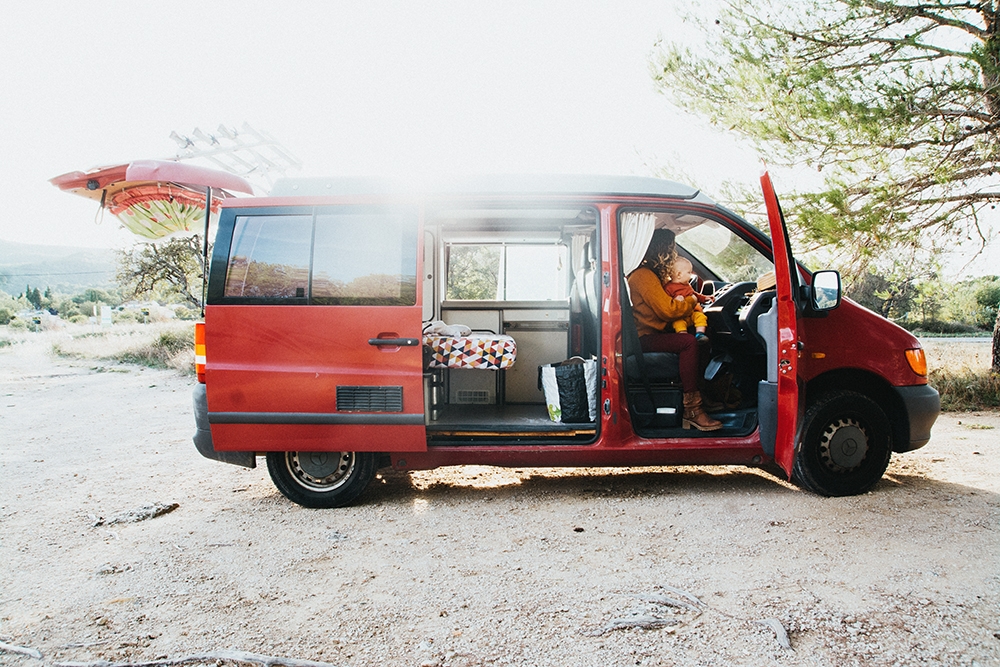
x,y
458,422
507,420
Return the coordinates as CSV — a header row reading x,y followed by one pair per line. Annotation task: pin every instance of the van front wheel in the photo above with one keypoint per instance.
x,y
321,479
845,445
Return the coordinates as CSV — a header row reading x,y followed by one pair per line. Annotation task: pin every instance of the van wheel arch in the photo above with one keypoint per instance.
x,y
867,384
845,445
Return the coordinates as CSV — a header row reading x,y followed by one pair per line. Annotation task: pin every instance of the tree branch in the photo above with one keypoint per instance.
x,y
211,657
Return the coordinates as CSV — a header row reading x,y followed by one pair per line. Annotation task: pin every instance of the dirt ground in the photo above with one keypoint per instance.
x,y
471,566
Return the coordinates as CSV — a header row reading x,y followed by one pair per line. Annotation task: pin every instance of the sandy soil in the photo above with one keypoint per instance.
x,y
471,566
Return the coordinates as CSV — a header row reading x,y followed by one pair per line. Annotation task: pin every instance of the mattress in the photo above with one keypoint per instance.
x,y
482,351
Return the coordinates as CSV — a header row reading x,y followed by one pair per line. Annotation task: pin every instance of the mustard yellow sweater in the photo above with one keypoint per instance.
x,y
652,307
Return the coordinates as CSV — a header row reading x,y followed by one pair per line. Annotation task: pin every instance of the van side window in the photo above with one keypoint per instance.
x,y
507,272
346,256
269,257
365,259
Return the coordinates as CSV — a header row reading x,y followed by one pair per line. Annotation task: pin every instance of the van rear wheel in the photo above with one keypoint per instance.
x,y
321,479
846,445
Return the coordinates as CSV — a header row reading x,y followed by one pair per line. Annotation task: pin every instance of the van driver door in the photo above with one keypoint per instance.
x,y
787,358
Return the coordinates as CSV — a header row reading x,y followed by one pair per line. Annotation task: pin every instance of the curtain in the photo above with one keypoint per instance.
x,y
636,231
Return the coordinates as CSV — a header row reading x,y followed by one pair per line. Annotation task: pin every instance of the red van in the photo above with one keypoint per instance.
x,y
352,325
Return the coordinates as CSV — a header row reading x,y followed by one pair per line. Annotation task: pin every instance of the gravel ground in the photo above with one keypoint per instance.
x,y
471,565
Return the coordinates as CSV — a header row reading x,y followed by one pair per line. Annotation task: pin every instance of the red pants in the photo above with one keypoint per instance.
x,y
684,346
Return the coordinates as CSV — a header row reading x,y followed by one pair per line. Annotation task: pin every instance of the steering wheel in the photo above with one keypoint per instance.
x,y
724,312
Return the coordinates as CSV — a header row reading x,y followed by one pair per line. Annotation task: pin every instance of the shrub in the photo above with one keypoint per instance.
x,y
966,389
22,324
126,316
161,353
942,328
5,315
184,313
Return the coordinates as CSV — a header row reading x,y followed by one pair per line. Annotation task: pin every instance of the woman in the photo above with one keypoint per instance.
x,y
653,309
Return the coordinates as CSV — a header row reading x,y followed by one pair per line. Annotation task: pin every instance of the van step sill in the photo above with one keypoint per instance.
x,y
531,421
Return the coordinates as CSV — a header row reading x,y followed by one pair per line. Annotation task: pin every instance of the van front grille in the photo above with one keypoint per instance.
x,y
370,399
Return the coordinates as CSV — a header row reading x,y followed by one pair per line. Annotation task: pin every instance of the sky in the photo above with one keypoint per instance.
x,y
350,88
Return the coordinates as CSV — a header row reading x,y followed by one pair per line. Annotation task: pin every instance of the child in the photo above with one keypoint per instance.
x,y
679,287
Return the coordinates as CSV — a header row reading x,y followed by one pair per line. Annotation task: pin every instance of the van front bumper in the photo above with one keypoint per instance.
x,y
923,404
203,435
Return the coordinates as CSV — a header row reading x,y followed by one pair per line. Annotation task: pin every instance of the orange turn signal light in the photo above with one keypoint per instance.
x,y
918,361
199,351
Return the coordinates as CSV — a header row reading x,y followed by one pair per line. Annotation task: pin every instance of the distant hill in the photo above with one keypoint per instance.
x,y
65,269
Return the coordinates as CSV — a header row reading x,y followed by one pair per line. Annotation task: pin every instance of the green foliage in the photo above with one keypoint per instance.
x,y
973,302
94,295
898,110
20,324
473,272
183,313
5,315
33,296
173,268
126,317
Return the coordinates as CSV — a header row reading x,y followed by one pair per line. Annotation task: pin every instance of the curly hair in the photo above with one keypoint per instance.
x,y
661,253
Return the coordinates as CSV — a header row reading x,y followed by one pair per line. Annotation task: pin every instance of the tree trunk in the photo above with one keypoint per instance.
x,y
996,344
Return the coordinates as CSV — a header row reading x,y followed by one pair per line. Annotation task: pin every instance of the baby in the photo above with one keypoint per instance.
x,y
679,287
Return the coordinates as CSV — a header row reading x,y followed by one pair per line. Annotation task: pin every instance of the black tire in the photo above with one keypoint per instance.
x,y
846,445
321,479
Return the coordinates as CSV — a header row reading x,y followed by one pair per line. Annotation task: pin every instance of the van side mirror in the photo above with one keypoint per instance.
x,y
826,293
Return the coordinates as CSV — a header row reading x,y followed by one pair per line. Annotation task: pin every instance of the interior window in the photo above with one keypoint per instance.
x,y
506,272
723,253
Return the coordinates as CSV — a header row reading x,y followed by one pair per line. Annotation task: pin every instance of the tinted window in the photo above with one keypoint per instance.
x,y
365,258
345,257
269,257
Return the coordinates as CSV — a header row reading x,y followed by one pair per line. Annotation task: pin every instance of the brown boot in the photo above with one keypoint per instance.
x,y
695,417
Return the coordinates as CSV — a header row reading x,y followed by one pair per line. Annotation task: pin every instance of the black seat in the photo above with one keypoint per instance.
x,y
652,380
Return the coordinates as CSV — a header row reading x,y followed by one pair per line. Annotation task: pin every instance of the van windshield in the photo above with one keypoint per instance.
x,y
723,253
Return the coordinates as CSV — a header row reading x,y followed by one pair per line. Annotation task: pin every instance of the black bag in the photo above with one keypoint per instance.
x,y
570,389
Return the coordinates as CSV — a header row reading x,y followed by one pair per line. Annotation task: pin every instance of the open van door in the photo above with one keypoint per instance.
x,y
786,276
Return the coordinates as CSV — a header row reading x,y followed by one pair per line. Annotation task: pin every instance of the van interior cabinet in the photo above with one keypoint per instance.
x,y
538,343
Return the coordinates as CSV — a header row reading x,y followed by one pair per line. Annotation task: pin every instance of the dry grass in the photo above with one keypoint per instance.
x,y
166,345
961,370
958,354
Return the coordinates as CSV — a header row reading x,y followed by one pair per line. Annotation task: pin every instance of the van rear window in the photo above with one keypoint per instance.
x,y
269,257
330,257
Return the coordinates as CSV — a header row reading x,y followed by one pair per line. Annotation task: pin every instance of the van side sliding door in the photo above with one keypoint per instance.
x,y
314,330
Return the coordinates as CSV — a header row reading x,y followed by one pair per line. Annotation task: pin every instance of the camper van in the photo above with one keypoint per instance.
x,y
353,325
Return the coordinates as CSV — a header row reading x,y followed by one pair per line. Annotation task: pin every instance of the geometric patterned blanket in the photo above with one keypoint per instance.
x,y
483,351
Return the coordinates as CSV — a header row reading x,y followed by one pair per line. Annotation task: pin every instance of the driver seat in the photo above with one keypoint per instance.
x,y
652,379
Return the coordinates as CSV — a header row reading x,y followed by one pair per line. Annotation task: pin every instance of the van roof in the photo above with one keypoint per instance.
x,y
533,184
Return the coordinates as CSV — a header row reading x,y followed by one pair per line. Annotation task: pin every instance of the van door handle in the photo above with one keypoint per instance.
x,y
395,342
